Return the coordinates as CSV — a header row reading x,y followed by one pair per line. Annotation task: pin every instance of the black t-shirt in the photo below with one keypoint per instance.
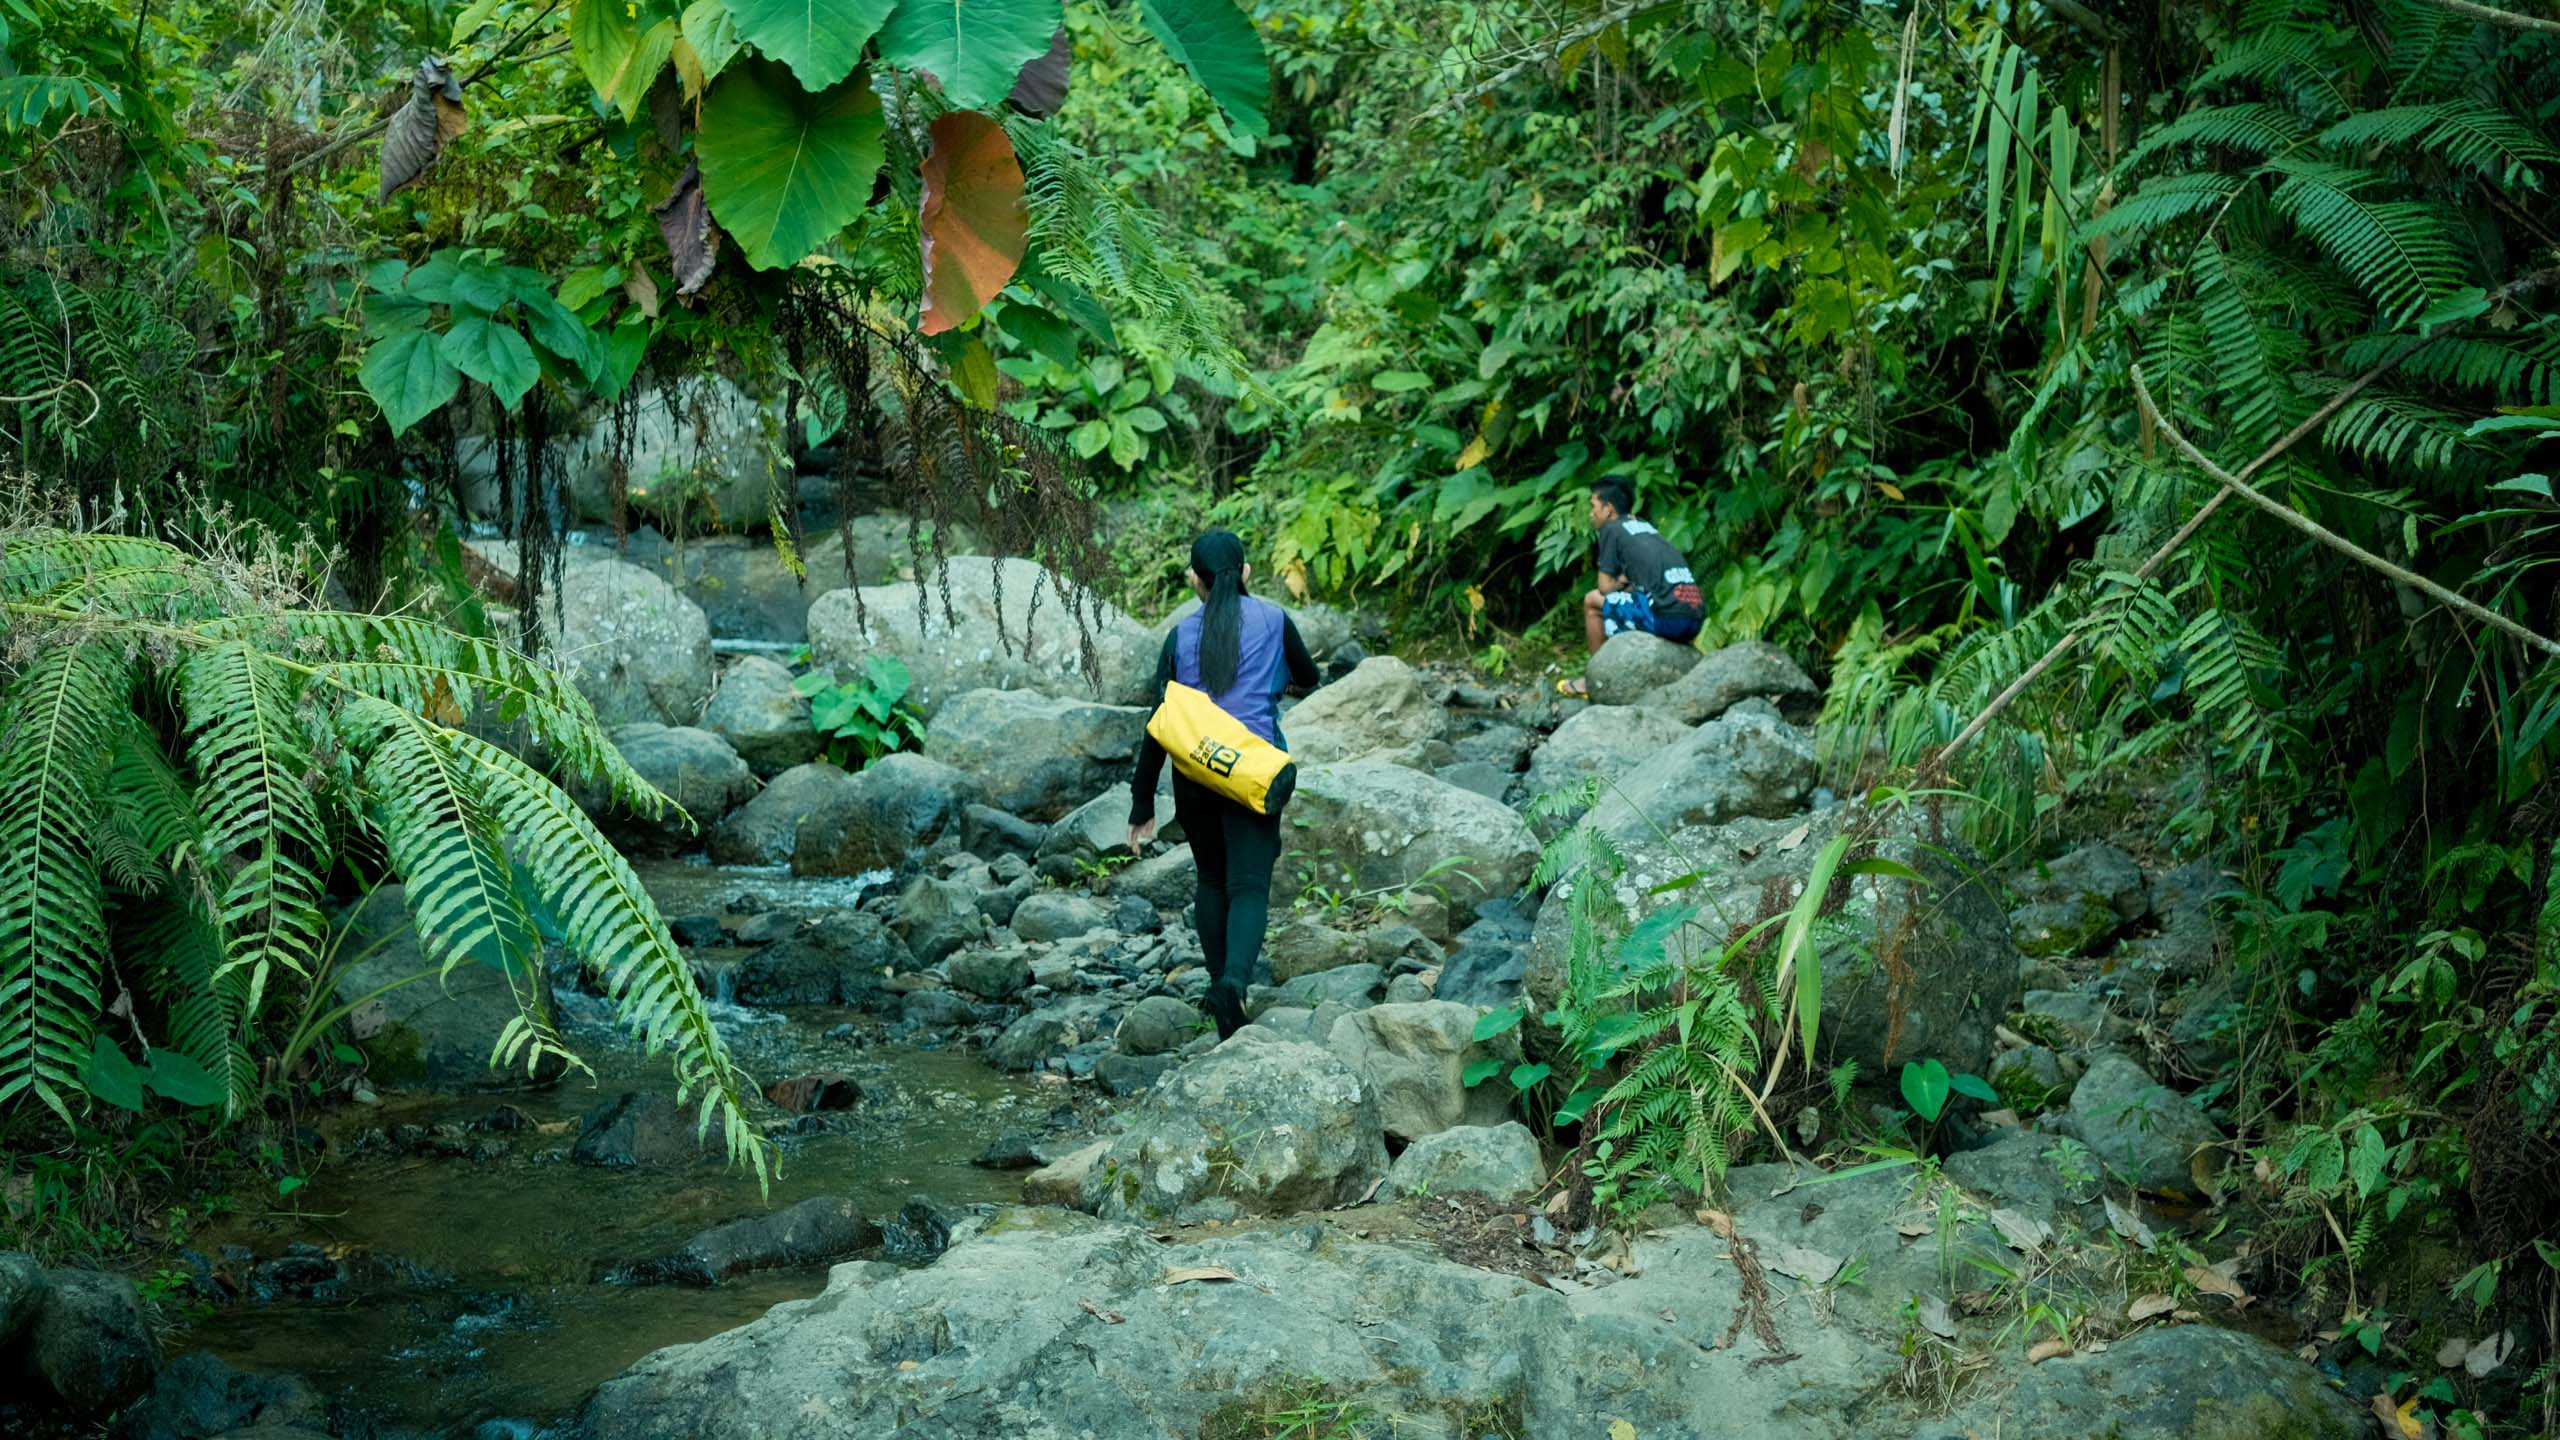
x,y
1635,550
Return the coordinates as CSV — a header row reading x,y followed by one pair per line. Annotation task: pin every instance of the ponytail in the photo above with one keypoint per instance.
x,y
1217,557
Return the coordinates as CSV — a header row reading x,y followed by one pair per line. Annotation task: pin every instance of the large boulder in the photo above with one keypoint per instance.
x,y
1034,640
692,767
2168,1383
1168,879
92,1342
633,646
1633,665
1603,740
1259,1125
1035,755
1053,1029
1904,976
1381,707
422,1028
636,1131
766,829
762,717
1157,1025
818,1230
1415,1058
1753,669
697,434
1747,761
838,958
1047,916
1388,826
937,917
1500,1162
893,807
197,1395
22,1286
2144,1131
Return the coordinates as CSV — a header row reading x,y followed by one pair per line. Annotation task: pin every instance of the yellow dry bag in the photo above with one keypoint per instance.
x,y
1213,748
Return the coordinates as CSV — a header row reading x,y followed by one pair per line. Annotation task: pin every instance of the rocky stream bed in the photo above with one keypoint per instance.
x,y
1024,1192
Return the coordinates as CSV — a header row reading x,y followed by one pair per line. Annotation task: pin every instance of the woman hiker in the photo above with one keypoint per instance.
x,y
1242,652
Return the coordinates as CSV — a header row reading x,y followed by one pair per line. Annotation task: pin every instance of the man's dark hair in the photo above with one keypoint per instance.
x,y
1617,491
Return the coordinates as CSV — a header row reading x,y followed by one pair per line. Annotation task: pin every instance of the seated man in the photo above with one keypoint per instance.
x,y
1645,582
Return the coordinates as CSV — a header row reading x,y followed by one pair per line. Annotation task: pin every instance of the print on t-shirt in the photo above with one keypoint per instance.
x,y
1634,549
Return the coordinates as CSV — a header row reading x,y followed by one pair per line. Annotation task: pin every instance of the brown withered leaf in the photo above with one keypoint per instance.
x,y
419,129
1187,1274
1107,1317
2148,1307
693,242
2044,1350
1042,86
972,224
2213,1280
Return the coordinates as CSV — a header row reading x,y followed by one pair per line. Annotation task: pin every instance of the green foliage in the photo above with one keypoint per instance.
x,y
1927,1085
195,751
863,718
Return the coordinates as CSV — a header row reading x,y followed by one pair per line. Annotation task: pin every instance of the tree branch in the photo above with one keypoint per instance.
x,y
1546,54
2508,18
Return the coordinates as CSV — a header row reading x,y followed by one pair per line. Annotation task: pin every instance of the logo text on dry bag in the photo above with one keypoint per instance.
x,y
1215,758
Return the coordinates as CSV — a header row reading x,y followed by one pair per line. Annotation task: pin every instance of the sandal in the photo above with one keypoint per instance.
x,y
1574,689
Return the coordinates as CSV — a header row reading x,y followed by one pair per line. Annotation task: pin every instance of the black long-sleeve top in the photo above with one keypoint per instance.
x,y
1303,676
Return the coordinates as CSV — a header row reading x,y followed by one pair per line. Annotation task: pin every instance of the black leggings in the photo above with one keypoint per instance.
x,y
1234,850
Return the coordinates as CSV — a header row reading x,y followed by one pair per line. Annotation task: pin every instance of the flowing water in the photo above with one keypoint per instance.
x,y
473,1290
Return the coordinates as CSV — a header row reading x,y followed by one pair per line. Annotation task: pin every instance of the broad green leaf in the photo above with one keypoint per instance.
x,y
1396,382
1526,1077
111,1077
2366,1161
821,40
408,377
632,79
712,32
468,23
1974,1086
1217,43
1796,947
975,48
1579,1104
493,354
784,169
974,225
183,1080
1090,438
1925,1084
888,677
1495,1022
603,33
2534,484
1477,1071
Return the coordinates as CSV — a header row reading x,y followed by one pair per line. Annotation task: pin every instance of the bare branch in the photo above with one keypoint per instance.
x,y
2508,18
1544,54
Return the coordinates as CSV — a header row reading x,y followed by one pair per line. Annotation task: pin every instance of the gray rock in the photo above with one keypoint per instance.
x,y
93,1342
838,959
634,1130
2208,1022
1500,1162
1356,986
1037,643
634,647
197,1395
1753,669
2082,1016
1389,826
1062,1181
1957,937
1633,665
936,1009
816,1231
1033,754
2177,1382
1100,827
1489,781
762,717
1268,1126
1157,1025
1485,973
986,830
2144,1131
999,902
694,768
1125,1075
894,807
2189,941
1414,1057
990,974
1383,706
1504,747
1135,915
2095,870
1052,1029
22,1287
702,432
1167,880
427,1029
1606,741
1746,762
1400,947
766,830
1304,947
1052,915
1405,990
937,917
2049,929
2033,1065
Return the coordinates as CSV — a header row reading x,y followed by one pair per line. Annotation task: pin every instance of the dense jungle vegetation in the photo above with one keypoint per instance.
x,y
1941,336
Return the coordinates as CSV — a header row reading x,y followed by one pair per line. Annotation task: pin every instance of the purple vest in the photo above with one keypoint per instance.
x,y
1261,671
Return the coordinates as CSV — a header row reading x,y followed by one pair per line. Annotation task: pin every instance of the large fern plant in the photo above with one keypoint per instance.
x,y
187,751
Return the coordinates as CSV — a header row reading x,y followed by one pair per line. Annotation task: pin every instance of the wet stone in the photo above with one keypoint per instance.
x,y
691,931
1012,1150
302,1272
633,1130
802,1094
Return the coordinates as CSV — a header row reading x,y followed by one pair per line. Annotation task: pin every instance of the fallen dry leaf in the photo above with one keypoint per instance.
x,y
2489,1354
1804,1263
1671,1316
1914,1229
1621,1430
2307,1352
2196,1317
2210,1280
1795,837
2126,1220
2022,1232
1186,1274
1718,1221
2003,1120
2399,1422
1107,1317
1934,1317
2149,1306
1559,1203
2044,1350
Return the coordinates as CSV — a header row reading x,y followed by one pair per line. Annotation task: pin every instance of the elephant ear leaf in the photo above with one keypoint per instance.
x,y
693,242
1217,43
783,168
1042,86
419,129
974,226
821,40
973,49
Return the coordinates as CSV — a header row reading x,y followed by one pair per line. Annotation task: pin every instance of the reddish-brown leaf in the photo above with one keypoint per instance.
x,y
693,242
974,224
1042,86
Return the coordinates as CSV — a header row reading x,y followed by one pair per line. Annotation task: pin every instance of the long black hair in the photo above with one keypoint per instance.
x,y
1217,557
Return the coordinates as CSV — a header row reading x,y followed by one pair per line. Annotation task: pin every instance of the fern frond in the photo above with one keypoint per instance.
x,y
613,927
2172,197
2398,251
63,714
2464,135
2254,126
262,827
207,1004
427,806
